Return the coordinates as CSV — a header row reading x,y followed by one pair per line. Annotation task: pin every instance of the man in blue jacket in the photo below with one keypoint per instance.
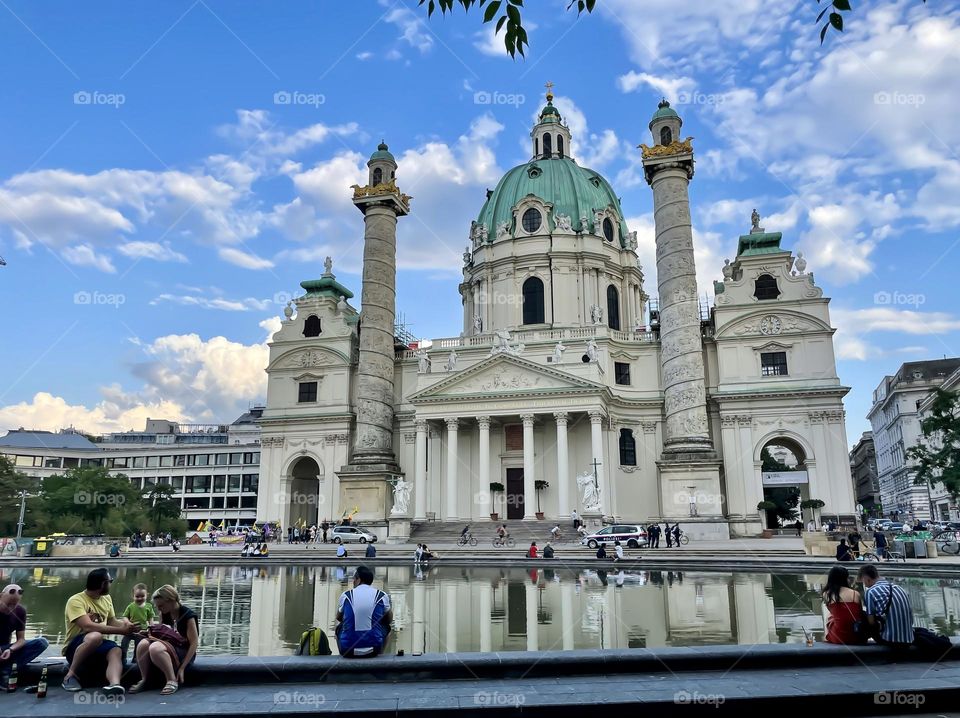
x,y
364,615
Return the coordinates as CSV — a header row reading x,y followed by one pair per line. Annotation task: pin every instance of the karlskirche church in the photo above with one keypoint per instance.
x,y
571,385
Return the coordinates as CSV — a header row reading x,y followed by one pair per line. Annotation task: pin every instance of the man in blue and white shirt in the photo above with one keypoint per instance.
x,y
364,615
891,602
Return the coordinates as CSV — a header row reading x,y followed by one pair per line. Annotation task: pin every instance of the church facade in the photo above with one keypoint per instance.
x,y
568,388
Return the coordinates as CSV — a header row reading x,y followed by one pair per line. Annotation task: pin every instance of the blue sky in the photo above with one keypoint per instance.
x,y
160,198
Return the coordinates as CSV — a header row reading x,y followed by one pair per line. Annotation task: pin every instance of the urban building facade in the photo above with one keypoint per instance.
x,y
863,469
944,506
214,469
895,418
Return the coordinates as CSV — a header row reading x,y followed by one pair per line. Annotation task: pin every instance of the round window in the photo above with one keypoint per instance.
x,y
608,229
531,220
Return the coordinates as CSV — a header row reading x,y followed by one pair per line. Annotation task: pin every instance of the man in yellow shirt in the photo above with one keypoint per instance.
x,y
89,616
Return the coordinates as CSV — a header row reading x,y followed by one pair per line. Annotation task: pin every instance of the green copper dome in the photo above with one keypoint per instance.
x,y
572,190
382,153
549,113
663,110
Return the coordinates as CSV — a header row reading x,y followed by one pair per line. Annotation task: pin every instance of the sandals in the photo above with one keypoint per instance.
x,y
138,687
170,688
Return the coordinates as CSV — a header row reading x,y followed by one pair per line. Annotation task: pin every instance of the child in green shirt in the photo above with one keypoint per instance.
x,y
139,611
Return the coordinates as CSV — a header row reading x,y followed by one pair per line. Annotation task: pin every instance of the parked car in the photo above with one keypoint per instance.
x,y
632,535
352,534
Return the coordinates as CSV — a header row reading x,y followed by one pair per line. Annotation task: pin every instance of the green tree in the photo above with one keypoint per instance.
x,y
80,500
12,484
508,14
937,454
164,510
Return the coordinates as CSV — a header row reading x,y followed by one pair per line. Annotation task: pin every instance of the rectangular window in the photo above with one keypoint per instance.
x,y
72,463
120,462
221,459
251,457
153,462
235,458
202,459
513,435
166,461
251,482
52,462
308,391
628,448
139,462
177,483
217,502
219,484
135,481
24,461
233,502
180,460
773,364
622,373
248,502
234,483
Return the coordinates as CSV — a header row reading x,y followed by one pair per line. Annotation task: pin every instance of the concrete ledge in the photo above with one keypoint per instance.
x,y
267,670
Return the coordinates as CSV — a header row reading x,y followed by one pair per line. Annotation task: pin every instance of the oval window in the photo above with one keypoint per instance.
x,y
531,220
608,229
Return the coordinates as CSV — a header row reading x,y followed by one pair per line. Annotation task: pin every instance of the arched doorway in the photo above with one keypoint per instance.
x,y
304,495
785,481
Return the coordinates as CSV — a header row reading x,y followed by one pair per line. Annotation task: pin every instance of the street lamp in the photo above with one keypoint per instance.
x,y
23,510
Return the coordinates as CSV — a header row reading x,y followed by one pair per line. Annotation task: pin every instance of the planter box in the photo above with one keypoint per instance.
x,y
494,516
767,533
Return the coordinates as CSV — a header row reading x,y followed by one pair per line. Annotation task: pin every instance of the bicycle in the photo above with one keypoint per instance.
x,y
885,555
466,539
682,539
501,541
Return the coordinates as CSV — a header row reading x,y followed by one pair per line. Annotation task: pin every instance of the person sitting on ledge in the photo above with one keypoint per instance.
x,y
245,551
547,550
602,551
265,550
843,551
418,554
363,617
341,551
887,607
172,647
843,603
618,551
428,554
13,622
90,616
532,553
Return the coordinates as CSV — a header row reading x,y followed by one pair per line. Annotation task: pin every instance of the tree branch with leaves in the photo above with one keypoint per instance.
x,y
937,454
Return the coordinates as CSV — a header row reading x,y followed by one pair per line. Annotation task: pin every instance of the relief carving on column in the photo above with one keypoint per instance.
x,y
561,417
410,437
649,427
677,400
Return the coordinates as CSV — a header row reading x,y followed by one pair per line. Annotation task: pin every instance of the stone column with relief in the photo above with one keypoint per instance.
x,y
367,480
688,458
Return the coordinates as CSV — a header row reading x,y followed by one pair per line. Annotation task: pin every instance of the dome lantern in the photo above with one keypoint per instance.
x,y
382,166
551,138
665,124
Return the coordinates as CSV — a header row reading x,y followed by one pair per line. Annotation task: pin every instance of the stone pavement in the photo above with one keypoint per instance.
x,y
835,691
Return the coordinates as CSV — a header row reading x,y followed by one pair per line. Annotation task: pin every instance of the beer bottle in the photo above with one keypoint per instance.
x,y
12,680
42,685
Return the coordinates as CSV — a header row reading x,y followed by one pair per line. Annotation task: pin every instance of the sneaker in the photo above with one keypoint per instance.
x,y
114,690
70,683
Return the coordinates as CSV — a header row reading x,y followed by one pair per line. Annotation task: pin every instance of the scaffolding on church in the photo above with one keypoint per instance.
x,y
402,337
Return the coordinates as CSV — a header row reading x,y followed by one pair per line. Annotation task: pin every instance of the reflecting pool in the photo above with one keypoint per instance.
x,y
260,611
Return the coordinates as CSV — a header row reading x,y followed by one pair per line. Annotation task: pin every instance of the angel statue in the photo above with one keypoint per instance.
x,y
401,497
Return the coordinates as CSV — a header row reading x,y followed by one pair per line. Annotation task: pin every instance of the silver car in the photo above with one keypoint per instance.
x,y
352,534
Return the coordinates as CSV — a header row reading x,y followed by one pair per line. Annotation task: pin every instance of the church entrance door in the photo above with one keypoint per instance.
x,y
515,494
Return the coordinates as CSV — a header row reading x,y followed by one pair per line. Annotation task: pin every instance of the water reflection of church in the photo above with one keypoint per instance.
x,y
495,610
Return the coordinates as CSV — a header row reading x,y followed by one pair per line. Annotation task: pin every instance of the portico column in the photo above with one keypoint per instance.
x,y
484,492
420,482
567,618
596,444
486,623
452,424
563,467
419,613
529,490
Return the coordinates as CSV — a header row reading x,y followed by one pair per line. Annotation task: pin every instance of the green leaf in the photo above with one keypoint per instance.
x,y
517,2
514,14
836,20
590,5
822,13
823,33
841,4
500,24
491,11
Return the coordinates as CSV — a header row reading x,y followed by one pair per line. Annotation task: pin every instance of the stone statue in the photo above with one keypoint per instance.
x,y
727,270
482,233
584,223
596,314
558,352
467,256
401,497
503,230
638,326
800,263
501,339
328,267
563,223
477,324
341,304
755,221
452,361
423,362
598,222
288,310
592,351
632,240
589,492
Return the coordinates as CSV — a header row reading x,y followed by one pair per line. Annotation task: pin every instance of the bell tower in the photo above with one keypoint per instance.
x,y
551,138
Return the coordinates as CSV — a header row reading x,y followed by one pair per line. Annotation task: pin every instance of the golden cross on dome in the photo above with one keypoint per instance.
x,y
549,87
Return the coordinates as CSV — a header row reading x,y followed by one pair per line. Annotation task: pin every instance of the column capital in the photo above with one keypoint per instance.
x,y
452,422
421,425
596,417
484,422
649,427
528,419
562,417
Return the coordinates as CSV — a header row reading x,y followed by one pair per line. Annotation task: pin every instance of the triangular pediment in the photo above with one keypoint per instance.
x,y
506,375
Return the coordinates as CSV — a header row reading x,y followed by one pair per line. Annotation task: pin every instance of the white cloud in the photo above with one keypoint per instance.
x,y
151,250
589,149
413,30
83,255
364,55
230,305
247,260
853,325
670,87
46,412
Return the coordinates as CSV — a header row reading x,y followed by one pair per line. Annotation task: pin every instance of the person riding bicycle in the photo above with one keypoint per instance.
x,y
463,534
502,532
582,530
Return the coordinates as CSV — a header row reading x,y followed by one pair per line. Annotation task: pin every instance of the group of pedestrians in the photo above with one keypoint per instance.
x,y
309,534
671,534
